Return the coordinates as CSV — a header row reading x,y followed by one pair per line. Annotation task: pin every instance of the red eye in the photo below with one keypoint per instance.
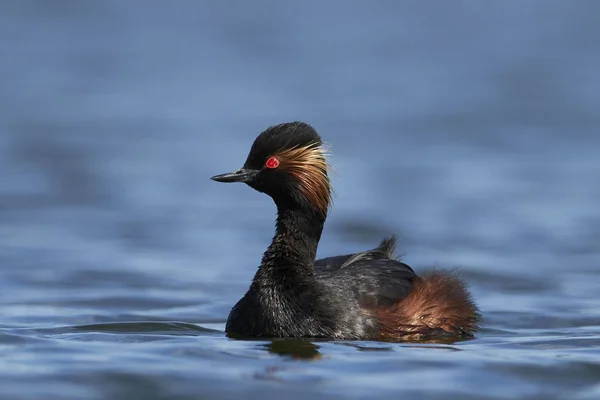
x,y
272,162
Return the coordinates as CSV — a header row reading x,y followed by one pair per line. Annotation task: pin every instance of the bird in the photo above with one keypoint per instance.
x,y
369,295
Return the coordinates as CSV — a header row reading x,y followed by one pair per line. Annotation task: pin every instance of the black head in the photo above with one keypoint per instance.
x,y
287,162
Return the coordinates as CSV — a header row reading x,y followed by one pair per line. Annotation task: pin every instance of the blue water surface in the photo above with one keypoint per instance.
x,y
471,129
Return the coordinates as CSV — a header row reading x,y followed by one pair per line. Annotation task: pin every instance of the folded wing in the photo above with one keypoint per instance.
x,y
375,276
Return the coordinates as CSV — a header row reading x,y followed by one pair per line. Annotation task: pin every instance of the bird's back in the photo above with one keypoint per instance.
x,y
374,277
406,306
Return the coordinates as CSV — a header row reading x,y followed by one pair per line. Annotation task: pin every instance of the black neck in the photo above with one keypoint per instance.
x,y
290,258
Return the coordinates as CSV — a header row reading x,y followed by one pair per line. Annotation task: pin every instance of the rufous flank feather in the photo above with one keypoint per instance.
x,y
439,304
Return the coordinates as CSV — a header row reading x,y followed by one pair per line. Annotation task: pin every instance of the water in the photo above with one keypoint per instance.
x,y
471,130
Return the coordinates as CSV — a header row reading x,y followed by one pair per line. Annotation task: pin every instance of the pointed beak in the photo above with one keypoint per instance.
x,y
241,175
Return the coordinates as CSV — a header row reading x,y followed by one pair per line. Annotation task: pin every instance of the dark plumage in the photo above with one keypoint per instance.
x,y
367,295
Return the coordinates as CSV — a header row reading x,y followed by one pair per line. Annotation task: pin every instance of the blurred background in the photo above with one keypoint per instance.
x,y
471,129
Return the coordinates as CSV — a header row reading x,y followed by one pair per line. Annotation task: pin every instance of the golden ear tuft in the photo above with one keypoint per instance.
x,y
309,166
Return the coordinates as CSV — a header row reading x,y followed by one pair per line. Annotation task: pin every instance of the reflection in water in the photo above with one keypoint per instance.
x,y
303,349
299,349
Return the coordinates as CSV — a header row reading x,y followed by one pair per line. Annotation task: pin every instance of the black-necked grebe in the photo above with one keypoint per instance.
x,y
368,295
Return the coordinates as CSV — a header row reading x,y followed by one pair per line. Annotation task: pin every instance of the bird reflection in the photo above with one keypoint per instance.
x,y
298,349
